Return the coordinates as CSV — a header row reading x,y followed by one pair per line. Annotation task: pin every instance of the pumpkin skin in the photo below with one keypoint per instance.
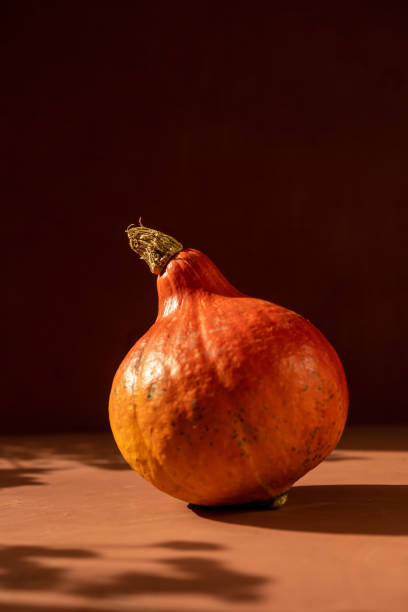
x,y
226,399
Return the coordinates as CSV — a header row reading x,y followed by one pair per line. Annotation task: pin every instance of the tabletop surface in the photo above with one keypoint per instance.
x,y
80,531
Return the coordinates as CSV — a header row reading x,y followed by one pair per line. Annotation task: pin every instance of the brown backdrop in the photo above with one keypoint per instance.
x,y
225,124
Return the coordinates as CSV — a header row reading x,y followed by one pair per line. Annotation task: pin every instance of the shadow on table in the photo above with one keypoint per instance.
x,y
188,575
188,545
348,509
375,437
9,607
98,450
345,457
24,569
21,477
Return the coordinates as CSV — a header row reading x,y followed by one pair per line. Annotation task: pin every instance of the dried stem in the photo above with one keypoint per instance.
x,y
153,246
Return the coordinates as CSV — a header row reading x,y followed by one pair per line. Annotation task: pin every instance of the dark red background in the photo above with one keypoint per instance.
x,y
273,138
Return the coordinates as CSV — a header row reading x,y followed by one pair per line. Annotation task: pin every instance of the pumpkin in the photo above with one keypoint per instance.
x,y
226,399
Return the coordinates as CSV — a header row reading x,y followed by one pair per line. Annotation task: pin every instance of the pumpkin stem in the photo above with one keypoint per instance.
x,y
153,246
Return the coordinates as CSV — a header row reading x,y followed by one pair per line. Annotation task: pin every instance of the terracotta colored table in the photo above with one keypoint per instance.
x,y
81,531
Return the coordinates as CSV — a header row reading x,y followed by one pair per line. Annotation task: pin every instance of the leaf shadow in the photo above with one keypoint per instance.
x,y
21,477
22,570
188,545
189,575
20,607
97,451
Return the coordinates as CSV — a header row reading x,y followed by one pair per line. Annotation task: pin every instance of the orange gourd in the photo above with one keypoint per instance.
x,y
226,399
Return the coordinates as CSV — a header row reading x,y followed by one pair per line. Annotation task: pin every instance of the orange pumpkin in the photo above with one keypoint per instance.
x,y
226,399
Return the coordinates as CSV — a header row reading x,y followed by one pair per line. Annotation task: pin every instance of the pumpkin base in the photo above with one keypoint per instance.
x,y
276,502
273,503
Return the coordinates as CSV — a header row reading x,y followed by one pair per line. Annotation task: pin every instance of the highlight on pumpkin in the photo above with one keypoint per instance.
x,y
155,247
